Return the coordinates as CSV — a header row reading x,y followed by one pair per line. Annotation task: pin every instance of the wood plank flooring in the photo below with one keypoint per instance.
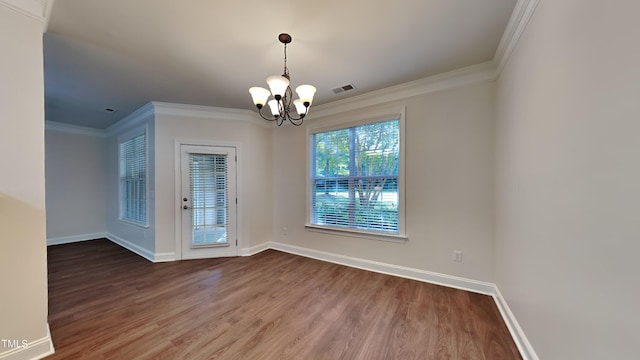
x,y
107,303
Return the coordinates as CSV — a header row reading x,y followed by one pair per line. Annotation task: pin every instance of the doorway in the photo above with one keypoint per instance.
x,y
208,201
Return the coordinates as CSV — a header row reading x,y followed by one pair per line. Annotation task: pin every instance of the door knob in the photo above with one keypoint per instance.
x,y
184,199
185,207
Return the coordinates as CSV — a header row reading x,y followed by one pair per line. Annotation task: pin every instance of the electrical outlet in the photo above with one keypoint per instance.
x,y
285,230
457,256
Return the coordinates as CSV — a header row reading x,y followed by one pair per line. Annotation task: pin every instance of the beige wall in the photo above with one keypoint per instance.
x,y
76,184
254,173
568,180
449,186
23,290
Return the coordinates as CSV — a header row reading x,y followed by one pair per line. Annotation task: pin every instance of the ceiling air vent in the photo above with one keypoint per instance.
x,y
343,88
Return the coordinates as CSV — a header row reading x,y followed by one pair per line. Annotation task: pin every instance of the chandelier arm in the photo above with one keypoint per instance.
x,y
295,122
296,118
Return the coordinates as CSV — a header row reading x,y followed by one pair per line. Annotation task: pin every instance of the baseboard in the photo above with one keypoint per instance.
x,y
485,288
37,349
254,249
523,344
131,247
390,269
75,238
164,257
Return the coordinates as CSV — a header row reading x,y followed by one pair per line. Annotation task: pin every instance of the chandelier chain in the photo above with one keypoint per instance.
x,y
286,70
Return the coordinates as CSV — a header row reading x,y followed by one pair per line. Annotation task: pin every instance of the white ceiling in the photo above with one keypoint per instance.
x,y
122,54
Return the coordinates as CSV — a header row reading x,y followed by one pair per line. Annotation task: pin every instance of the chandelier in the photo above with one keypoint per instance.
x,y
281,108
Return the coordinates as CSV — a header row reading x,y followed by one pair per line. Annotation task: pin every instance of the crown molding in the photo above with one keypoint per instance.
x,y
137,117
518,21
47,13
149,110
483,72
487,71
73,129
208,112
35,9
461,77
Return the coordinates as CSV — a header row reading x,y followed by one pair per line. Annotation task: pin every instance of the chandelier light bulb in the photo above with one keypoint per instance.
x,y
259,96
300,108
273,104
278,85
305,93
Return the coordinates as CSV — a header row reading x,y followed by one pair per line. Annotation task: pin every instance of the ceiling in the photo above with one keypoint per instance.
x,y
121,54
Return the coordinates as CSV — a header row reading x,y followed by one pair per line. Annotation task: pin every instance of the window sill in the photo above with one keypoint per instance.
x,y
357,233
133,223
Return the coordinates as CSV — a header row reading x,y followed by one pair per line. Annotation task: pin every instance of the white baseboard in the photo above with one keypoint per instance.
x,y
390,269
164,257
75,238
525,348
34,350
151,256
523,344
255,249
131,247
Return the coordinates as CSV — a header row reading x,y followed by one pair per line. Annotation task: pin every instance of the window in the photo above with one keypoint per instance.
x,y
133,179
355,182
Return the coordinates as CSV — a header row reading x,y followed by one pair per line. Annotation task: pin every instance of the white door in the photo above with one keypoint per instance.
x,y
208,201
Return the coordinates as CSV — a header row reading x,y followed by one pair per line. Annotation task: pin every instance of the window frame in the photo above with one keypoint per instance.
x,y
343,122
121,203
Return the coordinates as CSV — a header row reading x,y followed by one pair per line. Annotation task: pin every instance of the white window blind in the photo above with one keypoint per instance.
x,y
354,177
208,183
133,179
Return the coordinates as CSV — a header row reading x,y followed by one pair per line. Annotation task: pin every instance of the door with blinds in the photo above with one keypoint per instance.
x,y
208,201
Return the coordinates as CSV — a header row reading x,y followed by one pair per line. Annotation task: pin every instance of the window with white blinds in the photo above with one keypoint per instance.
x,y
133,179
354,177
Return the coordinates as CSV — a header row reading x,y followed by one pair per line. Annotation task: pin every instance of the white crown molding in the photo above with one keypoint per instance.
x,y
73,129
487,71
35,9
461,77
483,72
149,110
208,112
518,21
47,13
139,116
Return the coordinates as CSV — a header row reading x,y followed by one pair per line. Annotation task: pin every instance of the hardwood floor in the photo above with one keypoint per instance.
x,y
107,303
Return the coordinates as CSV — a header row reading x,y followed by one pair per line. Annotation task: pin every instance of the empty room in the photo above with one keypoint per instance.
x,y
420,179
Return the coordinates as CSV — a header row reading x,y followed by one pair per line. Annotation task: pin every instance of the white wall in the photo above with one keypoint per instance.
x,y
136,238
75,186
23,258
449,186
179,122
568,180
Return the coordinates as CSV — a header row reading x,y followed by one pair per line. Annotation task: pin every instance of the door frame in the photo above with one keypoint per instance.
x,y
177,208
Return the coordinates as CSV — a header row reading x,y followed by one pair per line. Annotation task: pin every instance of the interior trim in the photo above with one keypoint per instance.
x,y
37,349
